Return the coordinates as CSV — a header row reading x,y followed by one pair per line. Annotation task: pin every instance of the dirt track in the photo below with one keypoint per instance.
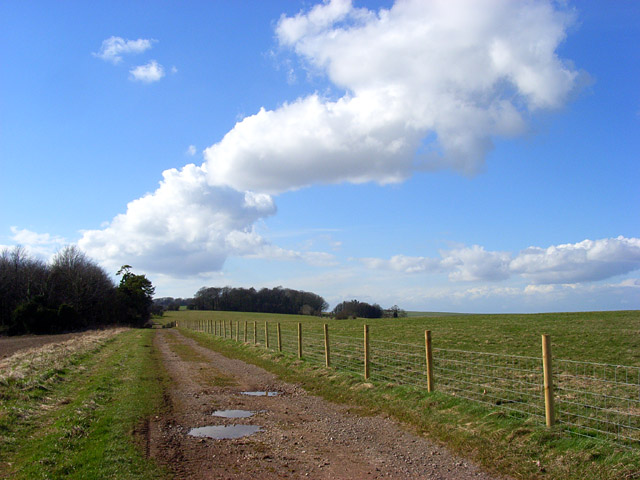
x,y
302,436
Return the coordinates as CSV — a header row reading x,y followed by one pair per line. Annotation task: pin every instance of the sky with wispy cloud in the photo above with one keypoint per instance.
x,y
471,156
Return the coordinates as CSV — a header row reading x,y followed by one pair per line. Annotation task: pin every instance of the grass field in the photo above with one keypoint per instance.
x,y
70,410
601,337
527,449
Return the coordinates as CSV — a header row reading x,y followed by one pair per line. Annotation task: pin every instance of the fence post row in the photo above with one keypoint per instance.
x,y
220,328
549,407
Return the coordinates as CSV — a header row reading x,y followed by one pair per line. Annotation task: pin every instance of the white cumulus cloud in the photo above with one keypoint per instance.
x,y
186,226
113,48
148,73
475,263
427,85
579,262
403,263
586,261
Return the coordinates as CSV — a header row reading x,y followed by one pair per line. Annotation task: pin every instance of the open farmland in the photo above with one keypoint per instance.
x,y
488,368
121,403
601,337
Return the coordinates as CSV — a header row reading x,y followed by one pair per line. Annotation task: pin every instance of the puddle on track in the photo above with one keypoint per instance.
x,y
233,413
261,394
225,432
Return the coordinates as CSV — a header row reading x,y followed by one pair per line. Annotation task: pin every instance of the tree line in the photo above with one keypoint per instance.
x,y
355,308
72,292
238,299
274,300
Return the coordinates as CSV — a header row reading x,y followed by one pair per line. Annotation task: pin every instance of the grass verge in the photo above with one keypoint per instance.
x,y
500,442
78,420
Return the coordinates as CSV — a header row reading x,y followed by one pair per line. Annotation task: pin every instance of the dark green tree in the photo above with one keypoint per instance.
x,y
135,297
79,283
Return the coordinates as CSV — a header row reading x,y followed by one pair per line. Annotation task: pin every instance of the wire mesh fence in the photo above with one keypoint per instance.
x,y
510,382
591,399
603,399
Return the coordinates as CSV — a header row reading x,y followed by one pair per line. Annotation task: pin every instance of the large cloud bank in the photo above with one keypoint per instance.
x,y
428,85
423,85
185,226
589,260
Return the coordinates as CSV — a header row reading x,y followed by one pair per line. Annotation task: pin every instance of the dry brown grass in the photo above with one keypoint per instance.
x,y
27,366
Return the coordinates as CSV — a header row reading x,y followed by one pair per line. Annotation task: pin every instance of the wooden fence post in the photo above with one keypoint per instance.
x,y
266,335
366,352
245,331
279,338
299,340
429,355
327,359
255,333
549,407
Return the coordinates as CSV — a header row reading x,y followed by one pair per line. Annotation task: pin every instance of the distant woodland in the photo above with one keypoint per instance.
x,y
274,300
266,300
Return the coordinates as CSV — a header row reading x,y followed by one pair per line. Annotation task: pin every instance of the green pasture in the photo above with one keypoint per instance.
x,y
599,337
514,444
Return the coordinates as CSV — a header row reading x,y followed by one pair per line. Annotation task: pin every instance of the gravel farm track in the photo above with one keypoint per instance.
x,y
302,436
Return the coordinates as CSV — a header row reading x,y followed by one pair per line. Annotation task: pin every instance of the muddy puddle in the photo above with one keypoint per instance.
x,y
261,394
233,413
225,432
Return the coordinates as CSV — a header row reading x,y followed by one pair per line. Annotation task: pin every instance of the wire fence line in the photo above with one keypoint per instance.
x,y
590,399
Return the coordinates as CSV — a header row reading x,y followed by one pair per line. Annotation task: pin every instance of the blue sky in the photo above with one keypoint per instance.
x,y
451,156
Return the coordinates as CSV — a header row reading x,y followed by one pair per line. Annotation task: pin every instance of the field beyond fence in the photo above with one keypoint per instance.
x,y
598,400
